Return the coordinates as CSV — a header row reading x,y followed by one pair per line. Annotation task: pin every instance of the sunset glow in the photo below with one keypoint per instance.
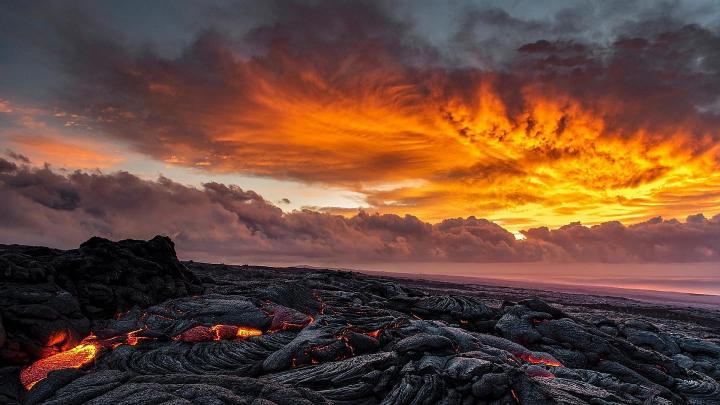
x,y
495,133
436,145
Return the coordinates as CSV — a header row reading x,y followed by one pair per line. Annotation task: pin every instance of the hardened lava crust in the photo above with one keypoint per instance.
x,y
127,323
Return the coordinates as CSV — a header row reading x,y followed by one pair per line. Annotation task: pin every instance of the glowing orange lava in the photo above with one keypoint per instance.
x,y
89,348
132,339
514,395
539,360
374,333
244,333
76,357
202,333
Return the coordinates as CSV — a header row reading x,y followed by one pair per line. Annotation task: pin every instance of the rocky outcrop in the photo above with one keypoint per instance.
x,y
110,277
49,297
38,320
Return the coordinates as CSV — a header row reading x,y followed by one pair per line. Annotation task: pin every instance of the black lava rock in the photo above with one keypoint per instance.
x,y
260,335
49,297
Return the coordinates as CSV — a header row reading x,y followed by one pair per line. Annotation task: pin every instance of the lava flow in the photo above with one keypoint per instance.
x,y
76,357
88,349
532,359
374,333
217,332
80,355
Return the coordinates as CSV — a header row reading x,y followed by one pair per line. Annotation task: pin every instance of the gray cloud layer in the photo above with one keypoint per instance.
x,y
225,223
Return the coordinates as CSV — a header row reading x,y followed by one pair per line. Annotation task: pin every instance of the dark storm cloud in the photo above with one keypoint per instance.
x,y
6,166
224,222
663,34
17,156
89,36
658,83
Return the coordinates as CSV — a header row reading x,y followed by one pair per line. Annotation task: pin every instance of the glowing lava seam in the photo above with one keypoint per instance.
x,y
76,357
217,332
89,348
538,360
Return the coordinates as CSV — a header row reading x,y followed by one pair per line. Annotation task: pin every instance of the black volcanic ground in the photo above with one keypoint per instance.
x,y
159,331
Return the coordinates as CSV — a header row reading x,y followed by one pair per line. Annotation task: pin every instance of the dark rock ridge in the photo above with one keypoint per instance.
x,y
260,335
49,297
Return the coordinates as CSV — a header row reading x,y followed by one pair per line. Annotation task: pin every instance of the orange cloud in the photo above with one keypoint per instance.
x,y
560,134
65,154
40,135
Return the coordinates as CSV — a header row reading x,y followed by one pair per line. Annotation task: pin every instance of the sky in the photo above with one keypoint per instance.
x,y
365,131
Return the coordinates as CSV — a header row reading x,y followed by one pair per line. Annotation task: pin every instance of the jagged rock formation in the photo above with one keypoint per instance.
x,y
48,297
297,336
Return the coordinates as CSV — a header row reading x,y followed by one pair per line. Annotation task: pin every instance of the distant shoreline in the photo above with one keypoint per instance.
x,y
618,281
653,296
656,296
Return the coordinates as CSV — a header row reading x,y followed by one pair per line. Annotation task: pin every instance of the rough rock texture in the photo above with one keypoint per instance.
x,y
49,297
296,336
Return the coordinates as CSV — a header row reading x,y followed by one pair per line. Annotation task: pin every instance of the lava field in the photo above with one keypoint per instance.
x,y
127,323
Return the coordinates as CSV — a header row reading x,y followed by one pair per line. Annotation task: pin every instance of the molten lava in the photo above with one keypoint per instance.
x,y
374,333
244,333
515,396
132,339
532,359
89,348
202,333
76,357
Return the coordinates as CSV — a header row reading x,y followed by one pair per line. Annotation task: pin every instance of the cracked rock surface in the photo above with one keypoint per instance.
x,y
259,335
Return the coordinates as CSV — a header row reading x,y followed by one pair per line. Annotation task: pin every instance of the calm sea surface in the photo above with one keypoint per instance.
x,y
693,278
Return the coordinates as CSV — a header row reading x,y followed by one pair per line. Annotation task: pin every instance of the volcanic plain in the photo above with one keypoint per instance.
x,y
128,323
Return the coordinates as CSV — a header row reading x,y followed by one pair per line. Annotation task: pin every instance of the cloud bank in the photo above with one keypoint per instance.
x,y
221,222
